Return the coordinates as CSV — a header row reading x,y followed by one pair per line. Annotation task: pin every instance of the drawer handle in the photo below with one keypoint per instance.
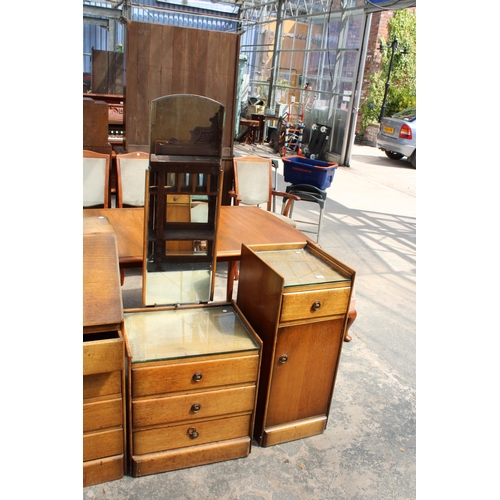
x,y
197,376
196,408
193,433
283,358
316,305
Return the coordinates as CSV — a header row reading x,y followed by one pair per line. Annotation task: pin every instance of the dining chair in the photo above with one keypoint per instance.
x,y
131,178
253,186
95,179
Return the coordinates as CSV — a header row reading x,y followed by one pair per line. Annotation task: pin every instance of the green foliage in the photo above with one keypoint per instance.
x,y
403,88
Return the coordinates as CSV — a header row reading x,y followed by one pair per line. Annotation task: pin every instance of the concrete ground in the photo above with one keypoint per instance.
x,y
368,450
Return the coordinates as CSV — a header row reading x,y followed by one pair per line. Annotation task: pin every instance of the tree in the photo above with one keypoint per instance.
x,y
403,83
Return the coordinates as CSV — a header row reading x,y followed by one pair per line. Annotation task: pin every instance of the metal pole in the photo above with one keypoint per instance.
x,y
277,46
388,83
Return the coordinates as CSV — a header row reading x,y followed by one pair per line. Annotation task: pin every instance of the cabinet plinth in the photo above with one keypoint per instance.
x,y
296,297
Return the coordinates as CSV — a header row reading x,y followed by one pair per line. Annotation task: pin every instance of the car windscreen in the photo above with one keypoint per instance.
x,y
408,114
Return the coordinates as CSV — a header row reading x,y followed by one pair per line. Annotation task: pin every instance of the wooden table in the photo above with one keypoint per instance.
x,y
237,225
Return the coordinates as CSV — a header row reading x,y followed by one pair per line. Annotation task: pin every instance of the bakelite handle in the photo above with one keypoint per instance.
x,y
193,433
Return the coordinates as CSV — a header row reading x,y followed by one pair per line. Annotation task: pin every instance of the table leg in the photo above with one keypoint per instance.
x,y
232,270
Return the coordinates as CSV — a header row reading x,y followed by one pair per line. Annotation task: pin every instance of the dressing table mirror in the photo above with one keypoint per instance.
x,y
182,200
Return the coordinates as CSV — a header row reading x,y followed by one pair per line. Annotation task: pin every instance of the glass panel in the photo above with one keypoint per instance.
x,y
300,267
181,333
177,287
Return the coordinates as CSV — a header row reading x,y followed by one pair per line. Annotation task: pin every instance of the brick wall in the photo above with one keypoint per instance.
x,y
379,29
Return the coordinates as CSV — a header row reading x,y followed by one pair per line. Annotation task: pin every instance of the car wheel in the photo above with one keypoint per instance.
x,y
413,159
393,156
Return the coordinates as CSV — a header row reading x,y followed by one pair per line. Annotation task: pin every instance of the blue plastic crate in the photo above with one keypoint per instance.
x,y
300,170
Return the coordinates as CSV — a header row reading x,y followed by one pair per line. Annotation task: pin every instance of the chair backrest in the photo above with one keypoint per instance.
x,y
95,179
253,180
131,178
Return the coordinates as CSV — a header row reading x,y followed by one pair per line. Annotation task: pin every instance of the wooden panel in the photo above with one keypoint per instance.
x,y
190,457
100,66
102,415
102,384
294,430
95,123
297,391
102,444
179,377
300,306
103,470
102,299
163,60
102,356
148,412
178,436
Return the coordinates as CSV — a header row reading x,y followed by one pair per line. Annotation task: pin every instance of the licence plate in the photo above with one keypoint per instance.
x,y
388,130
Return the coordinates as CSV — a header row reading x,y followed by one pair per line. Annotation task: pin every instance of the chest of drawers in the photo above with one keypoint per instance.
x,y
192,385
296,297
104,433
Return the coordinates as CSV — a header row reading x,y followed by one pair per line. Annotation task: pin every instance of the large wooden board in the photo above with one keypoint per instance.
x,y
163,60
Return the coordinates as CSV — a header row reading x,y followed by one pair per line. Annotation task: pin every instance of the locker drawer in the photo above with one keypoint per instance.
x,y
194,376
190,434
315,304
193,406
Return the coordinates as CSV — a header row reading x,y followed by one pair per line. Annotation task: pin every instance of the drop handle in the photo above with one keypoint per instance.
x,y
196,408
197,376
316,305
193,433
283,358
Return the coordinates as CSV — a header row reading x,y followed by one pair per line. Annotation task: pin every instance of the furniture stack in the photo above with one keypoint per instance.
x,y
202,378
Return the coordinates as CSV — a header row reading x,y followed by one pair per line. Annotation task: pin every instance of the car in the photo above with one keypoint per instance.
x,y
397,137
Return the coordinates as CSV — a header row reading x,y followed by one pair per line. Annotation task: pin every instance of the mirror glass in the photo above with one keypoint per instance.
x,y
183,183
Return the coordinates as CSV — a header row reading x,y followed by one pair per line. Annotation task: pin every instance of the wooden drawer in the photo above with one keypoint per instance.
x,y
102,384
316,304
102,415
103,470
102,444
157,411
100,356
179,436
181,377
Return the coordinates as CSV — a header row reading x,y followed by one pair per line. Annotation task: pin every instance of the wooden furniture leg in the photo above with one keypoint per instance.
x,y
351,316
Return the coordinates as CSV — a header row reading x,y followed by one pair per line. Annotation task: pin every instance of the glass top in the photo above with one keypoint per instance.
x,y
156,335
300,267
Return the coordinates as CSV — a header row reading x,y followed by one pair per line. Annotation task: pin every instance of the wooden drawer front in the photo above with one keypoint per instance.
x,y
314,304
102,384
102,415
102,444
102,356
178,436
179,377
180,199
103,470
149,412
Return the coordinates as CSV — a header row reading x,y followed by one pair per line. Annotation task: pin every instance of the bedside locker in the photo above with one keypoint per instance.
x,y
193,375
296,297
103,356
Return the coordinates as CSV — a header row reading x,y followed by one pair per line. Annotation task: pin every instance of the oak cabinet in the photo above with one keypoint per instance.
x,y
193,377
104,433
296,297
